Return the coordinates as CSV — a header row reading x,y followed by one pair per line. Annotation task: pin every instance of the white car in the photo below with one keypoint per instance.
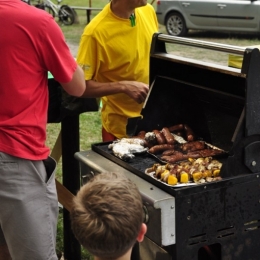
x,y
179,16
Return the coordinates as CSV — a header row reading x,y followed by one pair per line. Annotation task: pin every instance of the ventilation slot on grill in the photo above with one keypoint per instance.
x,y
197,239
225,232
252,225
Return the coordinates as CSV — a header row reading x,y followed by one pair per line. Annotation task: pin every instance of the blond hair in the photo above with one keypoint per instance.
x,y
107,215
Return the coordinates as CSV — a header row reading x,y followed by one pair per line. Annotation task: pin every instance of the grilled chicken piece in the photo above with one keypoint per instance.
x,y
127,147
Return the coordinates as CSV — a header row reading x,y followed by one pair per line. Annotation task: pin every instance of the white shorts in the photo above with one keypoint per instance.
x,y
28,208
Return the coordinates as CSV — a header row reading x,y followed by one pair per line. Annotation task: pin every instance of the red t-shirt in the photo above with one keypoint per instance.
x,y
31,44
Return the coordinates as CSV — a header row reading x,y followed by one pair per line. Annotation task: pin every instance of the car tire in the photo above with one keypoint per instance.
x,y
175,24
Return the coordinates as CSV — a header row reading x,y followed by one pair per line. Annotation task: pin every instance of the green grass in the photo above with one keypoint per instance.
x,y
90,124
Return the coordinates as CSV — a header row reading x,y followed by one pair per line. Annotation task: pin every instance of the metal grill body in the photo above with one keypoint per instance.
x,y
211,221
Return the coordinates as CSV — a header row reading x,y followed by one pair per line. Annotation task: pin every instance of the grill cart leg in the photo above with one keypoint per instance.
x,y
135,252
71,180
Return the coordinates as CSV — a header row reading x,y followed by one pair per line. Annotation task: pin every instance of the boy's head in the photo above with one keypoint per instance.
x,y
107,215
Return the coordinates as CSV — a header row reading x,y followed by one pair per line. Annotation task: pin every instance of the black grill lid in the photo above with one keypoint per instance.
x,y
220,104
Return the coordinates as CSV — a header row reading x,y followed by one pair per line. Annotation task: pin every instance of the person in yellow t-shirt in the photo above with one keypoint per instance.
x,y
114,53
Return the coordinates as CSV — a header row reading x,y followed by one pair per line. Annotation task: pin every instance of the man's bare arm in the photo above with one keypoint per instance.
x,y
136,90
76,87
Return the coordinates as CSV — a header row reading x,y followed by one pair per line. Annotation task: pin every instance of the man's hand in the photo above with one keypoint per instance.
x,y
136,90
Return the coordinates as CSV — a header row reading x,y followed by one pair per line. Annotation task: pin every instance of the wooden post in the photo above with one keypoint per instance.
x,y
65,197
89,11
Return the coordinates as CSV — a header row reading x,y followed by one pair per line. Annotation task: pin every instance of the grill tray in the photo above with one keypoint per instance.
x,y
141,162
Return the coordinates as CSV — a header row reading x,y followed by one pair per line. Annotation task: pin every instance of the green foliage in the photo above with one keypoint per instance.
x,y
90,129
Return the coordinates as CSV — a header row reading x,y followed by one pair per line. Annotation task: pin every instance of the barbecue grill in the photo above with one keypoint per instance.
x,y
218,220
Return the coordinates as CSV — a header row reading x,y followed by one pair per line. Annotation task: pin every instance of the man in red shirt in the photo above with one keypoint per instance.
x,y
31,44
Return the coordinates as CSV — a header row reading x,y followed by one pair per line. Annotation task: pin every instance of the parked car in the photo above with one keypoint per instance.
x,y
179,16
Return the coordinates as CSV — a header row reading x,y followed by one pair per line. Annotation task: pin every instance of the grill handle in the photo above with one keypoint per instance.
x,y
202,44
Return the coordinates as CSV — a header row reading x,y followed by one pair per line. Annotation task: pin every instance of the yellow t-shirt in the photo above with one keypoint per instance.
x,y
110,50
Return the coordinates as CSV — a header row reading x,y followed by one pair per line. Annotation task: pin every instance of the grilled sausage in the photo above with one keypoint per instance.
x,y
176,128
209,152
193,146
178,156
169,152
189,133
160,137
168,136
141,134
160,148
